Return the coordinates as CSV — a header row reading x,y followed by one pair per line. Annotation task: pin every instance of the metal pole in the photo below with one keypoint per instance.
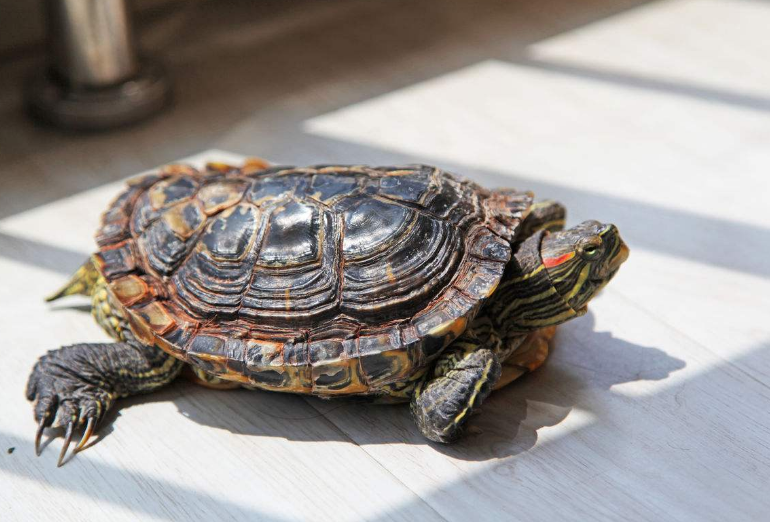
x,y
90,41
94,78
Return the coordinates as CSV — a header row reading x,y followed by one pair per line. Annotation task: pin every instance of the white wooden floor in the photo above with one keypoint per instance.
x,y
651,115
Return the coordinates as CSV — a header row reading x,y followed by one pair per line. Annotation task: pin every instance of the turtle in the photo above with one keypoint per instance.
x,y
397,283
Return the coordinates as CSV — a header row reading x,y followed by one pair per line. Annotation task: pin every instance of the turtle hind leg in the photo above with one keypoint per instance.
x,y
207,380
78,384
463,377
82,282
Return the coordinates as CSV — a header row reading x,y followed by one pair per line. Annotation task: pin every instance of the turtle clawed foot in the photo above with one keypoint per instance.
x,y
61,396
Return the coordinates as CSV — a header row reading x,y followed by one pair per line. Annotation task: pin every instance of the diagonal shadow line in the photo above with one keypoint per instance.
x,y
427,40
707,240
634,81
679,233
43,255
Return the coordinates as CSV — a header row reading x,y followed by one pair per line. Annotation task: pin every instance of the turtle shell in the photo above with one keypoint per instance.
x,y
326,280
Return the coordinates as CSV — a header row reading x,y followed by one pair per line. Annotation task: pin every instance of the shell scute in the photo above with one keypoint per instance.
x,y
371,225
293,236
327,188
163,248
208,288
480,279
185,219
117,260
207,351
172,190
383,357
407,184
156,316
176,340
221,194
130,289
444,322
116,221
405,276
278,365
230,235
486,245
337,378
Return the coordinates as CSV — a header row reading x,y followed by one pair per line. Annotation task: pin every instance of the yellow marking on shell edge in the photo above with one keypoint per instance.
x,y
255,163
287,299
493,288
476,389
455,326
219,166
210,357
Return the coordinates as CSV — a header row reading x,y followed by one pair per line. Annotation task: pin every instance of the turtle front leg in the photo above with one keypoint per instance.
x,y
463,377
78,384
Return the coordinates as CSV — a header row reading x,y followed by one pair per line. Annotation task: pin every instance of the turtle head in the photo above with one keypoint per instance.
x,y
582,260
553,275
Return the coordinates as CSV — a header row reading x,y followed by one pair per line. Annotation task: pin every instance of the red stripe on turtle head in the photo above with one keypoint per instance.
x,y
555,261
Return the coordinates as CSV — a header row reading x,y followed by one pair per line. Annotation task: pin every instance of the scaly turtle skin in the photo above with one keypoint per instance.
x,y
328,280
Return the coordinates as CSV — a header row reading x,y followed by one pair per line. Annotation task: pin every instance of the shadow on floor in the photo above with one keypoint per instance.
x,y
582,361
745,422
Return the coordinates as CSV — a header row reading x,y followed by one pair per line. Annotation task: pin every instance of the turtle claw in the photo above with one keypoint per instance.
x,y
63,390
39,435
86,435
67,440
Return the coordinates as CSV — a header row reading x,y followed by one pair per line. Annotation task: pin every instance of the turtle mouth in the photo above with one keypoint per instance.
x,y
620,257
600,282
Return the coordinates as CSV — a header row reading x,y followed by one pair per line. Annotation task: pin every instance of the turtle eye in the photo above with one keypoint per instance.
x,y
590,249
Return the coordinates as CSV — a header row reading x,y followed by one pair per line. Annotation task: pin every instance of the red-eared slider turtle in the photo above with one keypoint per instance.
x,y
403,283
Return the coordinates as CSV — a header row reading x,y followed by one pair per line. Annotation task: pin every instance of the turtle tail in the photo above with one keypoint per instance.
x,y
82,282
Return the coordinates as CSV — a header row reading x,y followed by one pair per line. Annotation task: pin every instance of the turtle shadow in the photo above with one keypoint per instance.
x,y
583,367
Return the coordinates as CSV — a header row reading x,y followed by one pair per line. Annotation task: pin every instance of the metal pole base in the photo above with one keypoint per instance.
x,y
50,99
